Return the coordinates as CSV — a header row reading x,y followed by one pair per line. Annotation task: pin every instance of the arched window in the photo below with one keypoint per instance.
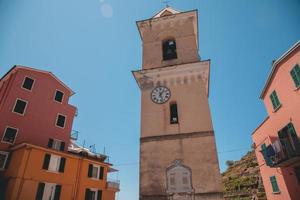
x,y
169,49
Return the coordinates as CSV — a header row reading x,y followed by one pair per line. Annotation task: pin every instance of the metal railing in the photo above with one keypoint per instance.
x,y
285,152
74,135
113,184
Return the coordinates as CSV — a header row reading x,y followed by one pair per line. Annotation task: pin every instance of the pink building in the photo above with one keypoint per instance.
x,y
276,140
34,109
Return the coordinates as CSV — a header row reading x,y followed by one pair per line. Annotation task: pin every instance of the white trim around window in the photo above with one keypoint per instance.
x,y
57,119
24,82
62,100
2,165
2,141
24,108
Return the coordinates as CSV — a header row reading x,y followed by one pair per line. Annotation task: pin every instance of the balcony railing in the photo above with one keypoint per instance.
x,y
282,153
113,184
74,135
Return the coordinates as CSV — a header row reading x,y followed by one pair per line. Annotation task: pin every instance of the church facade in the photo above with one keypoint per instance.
x,y
178,156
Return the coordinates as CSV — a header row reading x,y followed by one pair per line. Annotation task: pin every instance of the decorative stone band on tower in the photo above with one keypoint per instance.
x,y
178,156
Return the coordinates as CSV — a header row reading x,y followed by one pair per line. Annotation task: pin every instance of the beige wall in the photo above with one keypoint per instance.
x,y
193,110
182,27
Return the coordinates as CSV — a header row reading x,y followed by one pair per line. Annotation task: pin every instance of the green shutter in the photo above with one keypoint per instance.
x,y
264,152
295,73
274,184
275,100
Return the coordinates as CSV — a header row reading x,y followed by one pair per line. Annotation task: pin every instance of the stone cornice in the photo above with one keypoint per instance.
x,y
174,75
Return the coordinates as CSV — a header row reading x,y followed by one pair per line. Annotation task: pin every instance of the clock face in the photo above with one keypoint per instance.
x,y
160,94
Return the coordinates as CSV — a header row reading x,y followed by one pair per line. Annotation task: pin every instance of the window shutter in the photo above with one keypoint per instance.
x,y
295,73
62,146
62,164
40,191
8,161
274,184
87,194
46,161
99,196
50,143
57,192
264,152
90,172
101,173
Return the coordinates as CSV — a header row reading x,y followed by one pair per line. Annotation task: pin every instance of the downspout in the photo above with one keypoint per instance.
x,y
22,178
76,187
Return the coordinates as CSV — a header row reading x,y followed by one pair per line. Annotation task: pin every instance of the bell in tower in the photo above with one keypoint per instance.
x,y
178,156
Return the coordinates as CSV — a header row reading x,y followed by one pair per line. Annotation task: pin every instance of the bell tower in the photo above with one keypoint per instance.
x,y
178,156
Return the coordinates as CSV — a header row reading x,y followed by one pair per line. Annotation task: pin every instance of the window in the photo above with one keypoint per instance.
x,y
20,106
54,163
60,121
274,184
56,144
9,135
59,96
295,73
49,191
173,113
169,50
275,101
93,194
3,159
28,83
96,171
264,152
297,173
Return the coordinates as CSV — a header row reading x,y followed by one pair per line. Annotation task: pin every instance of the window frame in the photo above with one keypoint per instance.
x,y
96,190
63,95
13,110
5,161
60,163
54,143
274,96
24,82
100,170
273,179
46,187
297,76
2,141
57,120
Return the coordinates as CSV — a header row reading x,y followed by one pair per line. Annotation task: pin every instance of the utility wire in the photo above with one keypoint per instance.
x,y
220,152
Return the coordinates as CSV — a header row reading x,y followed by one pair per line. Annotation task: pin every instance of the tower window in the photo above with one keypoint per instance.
x,y
28,83
173,113
169,49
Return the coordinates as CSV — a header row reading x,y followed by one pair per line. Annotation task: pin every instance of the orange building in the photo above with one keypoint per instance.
x,y
39,173
276,140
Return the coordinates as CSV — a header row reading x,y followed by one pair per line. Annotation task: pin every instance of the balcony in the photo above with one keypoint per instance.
x,y
283,153
113,184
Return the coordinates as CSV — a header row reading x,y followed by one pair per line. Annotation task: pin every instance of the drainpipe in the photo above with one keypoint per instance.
x,y
22,178
76,187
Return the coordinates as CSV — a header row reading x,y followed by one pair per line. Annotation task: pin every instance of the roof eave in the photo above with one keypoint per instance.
x,y
274,66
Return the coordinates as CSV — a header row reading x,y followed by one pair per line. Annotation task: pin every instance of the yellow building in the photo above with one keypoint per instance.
x,y
35,172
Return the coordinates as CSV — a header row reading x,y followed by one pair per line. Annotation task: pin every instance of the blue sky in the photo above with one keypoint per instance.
x,y
92,45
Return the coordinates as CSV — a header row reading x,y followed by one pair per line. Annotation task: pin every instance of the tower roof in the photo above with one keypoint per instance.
x,y
166,11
